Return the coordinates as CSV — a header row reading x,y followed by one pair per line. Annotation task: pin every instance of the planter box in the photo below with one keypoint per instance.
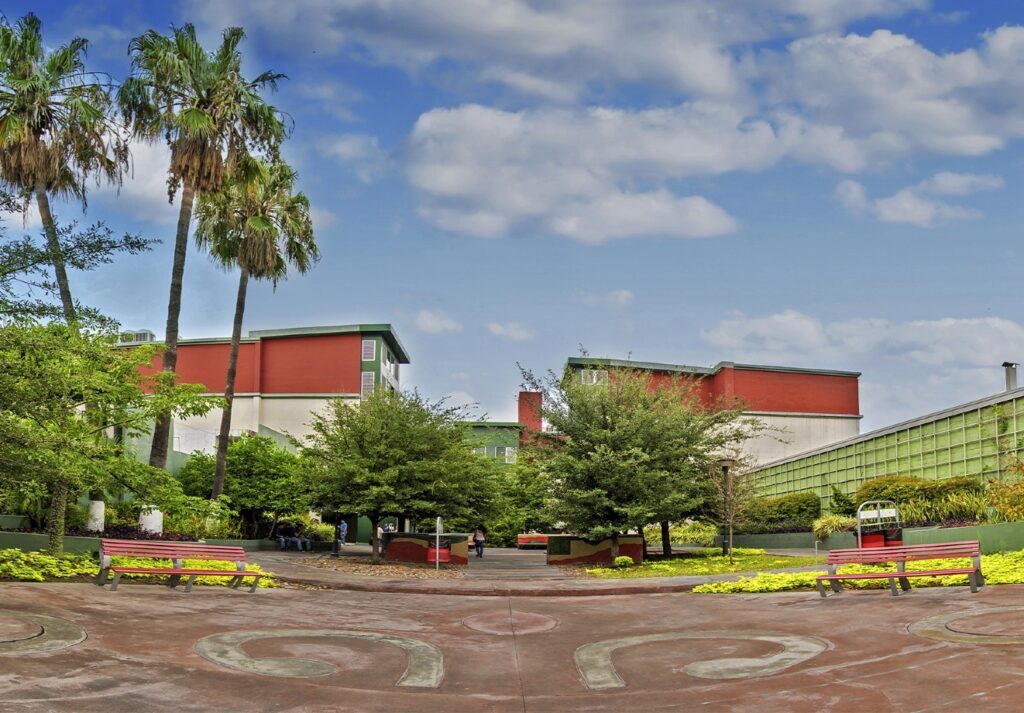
x,y
32,542
416,547
569,549
792,540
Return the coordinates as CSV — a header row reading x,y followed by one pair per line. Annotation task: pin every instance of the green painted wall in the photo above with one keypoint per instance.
x,y
976,442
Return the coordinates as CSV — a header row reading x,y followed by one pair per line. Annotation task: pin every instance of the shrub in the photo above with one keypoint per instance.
x,y
130,532
788,513
624,561
903,488
955,507
701,534
1006,500
831,524
841,503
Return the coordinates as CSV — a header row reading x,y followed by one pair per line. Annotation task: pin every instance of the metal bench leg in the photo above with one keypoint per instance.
x,y
979,579
172,582
821,589
190,582
117,580
904,581
892,587
973,581
104,571
255,583
834,583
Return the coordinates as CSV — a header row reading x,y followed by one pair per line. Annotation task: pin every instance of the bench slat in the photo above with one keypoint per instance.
x,y
897,575
198,572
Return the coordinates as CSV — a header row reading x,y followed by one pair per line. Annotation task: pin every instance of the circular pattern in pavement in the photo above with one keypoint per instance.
x,y
425,670
22,633
513,623
939,627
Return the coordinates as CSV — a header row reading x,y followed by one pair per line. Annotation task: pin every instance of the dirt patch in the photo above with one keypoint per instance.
x,y
389,570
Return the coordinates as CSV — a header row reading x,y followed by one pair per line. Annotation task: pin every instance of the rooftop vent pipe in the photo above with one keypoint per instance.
x,y
1011,375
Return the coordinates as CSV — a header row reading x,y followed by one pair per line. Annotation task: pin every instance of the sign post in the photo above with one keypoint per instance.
x,y
437,543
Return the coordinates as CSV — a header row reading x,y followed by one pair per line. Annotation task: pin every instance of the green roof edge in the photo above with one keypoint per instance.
x,y
683,368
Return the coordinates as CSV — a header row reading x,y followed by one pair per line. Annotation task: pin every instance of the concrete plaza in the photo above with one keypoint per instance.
x,y
148,648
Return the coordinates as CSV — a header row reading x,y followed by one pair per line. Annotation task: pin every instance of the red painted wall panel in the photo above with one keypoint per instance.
x,y
328,364
776,391
796,392
207,364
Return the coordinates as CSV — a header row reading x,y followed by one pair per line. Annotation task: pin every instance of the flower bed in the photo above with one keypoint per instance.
x,y
704,562
1002,568
19,566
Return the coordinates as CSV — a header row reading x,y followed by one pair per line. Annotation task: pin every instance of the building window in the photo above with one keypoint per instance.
x,y
510,454
591,377
366,383
480,451
369,349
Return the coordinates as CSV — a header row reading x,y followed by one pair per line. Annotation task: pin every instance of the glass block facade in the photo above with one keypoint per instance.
x,y
975,439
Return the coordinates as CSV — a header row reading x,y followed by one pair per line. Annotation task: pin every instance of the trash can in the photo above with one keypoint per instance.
x,y
872,539
893,537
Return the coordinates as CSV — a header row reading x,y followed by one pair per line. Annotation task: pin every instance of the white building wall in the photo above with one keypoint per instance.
x,y
289,415
797,433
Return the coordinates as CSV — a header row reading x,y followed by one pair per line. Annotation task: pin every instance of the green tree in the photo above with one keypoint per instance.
x,y
621,454
522,494
262,481
213,119
56,130
48,375
395,454
259,224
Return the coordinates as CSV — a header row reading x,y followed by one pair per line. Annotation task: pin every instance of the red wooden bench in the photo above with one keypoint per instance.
x,y
176,552
900,556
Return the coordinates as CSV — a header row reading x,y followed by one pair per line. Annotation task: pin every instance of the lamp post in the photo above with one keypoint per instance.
x,y
727,503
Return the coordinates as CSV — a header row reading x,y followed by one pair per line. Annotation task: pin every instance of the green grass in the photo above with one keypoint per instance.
x,y
1002,568
704,562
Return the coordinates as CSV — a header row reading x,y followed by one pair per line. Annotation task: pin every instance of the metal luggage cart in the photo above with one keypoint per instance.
x,y
876,516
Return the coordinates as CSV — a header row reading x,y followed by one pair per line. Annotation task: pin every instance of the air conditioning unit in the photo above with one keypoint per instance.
x,y
141,336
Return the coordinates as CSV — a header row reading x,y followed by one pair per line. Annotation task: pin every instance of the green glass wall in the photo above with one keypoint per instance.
x,y
976,440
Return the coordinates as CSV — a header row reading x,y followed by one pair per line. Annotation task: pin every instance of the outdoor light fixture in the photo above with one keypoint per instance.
x,y
726,464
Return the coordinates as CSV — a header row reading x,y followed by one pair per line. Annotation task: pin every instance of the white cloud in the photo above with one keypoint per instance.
x,y
953,342
916,205
463,399
18,222
591,175
432,322
362,152
555,50
613,299
511,330
143,195
322,218
909,367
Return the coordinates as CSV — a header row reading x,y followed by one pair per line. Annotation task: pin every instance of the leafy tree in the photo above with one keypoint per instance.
x,y
622,454
26,284
522,494
260,224
262,481
212,118
734,494
56,130
842,504
48,375
395,454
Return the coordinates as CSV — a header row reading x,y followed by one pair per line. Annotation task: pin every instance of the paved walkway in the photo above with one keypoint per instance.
x,y
78,649
500,573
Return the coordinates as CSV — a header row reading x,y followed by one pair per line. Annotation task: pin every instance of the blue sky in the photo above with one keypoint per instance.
x,y
823,184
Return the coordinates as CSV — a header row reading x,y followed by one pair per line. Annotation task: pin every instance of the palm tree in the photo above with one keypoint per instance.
x,y
258,223
55,129
212,119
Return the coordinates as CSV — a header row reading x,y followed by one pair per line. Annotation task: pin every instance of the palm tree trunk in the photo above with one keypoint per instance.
x,y
56,253
162,430
229,388
55,520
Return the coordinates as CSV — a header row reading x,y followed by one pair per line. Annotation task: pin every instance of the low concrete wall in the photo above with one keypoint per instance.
x,y
569,549
13,522
993,538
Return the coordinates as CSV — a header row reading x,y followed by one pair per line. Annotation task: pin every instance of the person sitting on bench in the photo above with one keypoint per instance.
x,y
284,534
301,541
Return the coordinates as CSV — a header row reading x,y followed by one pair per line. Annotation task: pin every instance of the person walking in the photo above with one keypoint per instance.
x,y
479,535
342,533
